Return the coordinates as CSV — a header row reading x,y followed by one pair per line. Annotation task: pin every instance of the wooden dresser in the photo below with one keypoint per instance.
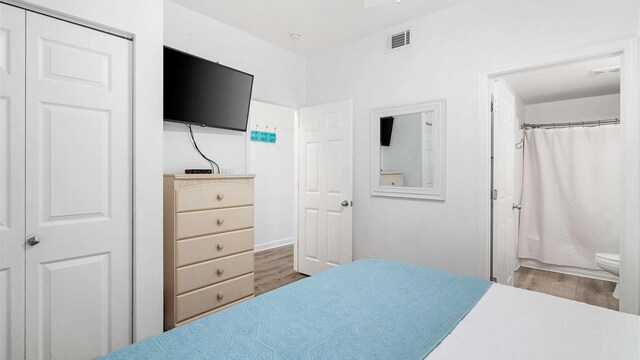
x,y
391,179
208,244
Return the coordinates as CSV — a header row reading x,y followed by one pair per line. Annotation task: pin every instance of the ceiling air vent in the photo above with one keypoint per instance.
x,y
399,40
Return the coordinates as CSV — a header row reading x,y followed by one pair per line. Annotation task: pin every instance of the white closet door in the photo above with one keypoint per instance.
x,y
78,191
325,187
11,182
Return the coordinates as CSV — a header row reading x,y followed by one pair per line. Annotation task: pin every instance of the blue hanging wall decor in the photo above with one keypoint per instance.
x,y
263,136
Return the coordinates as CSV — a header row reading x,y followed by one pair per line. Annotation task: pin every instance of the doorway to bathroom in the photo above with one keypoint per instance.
x,y
558,213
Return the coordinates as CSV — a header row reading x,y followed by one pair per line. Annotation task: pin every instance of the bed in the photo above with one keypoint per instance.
x,y
384,309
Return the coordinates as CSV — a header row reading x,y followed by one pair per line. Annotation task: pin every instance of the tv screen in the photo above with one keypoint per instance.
x,y
201,92
386,127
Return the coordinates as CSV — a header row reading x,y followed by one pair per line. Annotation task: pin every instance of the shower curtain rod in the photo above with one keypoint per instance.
x,y
570,124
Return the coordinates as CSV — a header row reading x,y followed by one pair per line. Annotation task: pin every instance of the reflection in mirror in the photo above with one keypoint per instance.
x,y
406,152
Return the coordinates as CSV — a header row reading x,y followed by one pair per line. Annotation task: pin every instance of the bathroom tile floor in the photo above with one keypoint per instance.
x,y
590,291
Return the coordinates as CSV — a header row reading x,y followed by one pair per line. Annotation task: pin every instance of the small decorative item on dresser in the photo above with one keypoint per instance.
x,y
197,171
208,245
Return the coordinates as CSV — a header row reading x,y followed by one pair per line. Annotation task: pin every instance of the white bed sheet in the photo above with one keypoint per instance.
x,y
511,323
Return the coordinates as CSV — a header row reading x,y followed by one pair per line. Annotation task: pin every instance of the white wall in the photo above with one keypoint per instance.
x,y
274,164
404,153
225,147
143,19
449,50
279,79
575,110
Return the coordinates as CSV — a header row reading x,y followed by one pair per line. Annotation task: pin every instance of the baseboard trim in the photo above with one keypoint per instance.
x,y
569,270
273,244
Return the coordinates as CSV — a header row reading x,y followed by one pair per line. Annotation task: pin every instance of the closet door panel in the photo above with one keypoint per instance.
x,y
78,191
12,222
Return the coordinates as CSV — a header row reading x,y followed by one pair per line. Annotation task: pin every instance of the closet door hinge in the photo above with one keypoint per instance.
x,y
494,106
494,194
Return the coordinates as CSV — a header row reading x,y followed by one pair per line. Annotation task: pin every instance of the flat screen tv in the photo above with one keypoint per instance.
x,y
386,127
205,93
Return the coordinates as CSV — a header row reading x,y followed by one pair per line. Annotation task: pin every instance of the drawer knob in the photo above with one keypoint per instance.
x,y
220,271
220,295
220,197
220,221
220,247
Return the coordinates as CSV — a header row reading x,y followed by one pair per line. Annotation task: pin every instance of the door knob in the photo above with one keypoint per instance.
x,y
33,241
345,203
517,207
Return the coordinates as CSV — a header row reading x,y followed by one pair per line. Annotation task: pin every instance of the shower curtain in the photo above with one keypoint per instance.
x,y
570,195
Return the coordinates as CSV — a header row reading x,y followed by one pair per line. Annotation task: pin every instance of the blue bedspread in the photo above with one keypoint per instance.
x,y
370,309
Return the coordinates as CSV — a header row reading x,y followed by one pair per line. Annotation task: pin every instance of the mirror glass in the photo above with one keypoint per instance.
x,y
406,150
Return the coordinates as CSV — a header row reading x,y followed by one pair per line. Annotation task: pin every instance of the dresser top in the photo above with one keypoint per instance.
x,y
208,176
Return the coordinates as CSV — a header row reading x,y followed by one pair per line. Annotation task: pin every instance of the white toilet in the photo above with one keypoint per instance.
x,y
610,263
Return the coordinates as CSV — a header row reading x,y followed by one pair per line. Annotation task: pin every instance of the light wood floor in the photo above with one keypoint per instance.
x,y
590,291
274,268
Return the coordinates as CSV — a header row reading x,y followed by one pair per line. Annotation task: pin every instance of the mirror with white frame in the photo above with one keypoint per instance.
x,y
408,151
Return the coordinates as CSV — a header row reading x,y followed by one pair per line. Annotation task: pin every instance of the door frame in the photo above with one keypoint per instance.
x,y
133,136
147,142
627,49
296,189
70,19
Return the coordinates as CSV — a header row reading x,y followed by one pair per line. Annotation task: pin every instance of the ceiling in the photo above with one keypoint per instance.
x,y
565,82
322,24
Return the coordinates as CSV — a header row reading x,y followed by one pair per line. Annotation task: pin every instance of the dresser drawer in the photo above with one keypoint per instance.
x,y
211,272
215,196
205,314
206,222
391,180
211,297
211,247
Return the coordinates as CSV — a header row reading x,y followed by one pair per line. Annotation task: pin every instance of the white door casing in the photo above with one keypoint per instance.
x,y
504,215
78,191
12,163
629,280
325,182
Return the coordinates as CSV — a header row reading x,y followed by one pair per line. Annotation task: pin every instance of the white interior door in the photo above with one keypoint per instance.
x,y
78,191
504,216
12,163
325,187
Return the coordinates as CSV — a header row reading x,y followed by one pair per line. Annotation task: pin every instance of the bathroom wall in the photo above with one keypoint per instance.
x,y
575,110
